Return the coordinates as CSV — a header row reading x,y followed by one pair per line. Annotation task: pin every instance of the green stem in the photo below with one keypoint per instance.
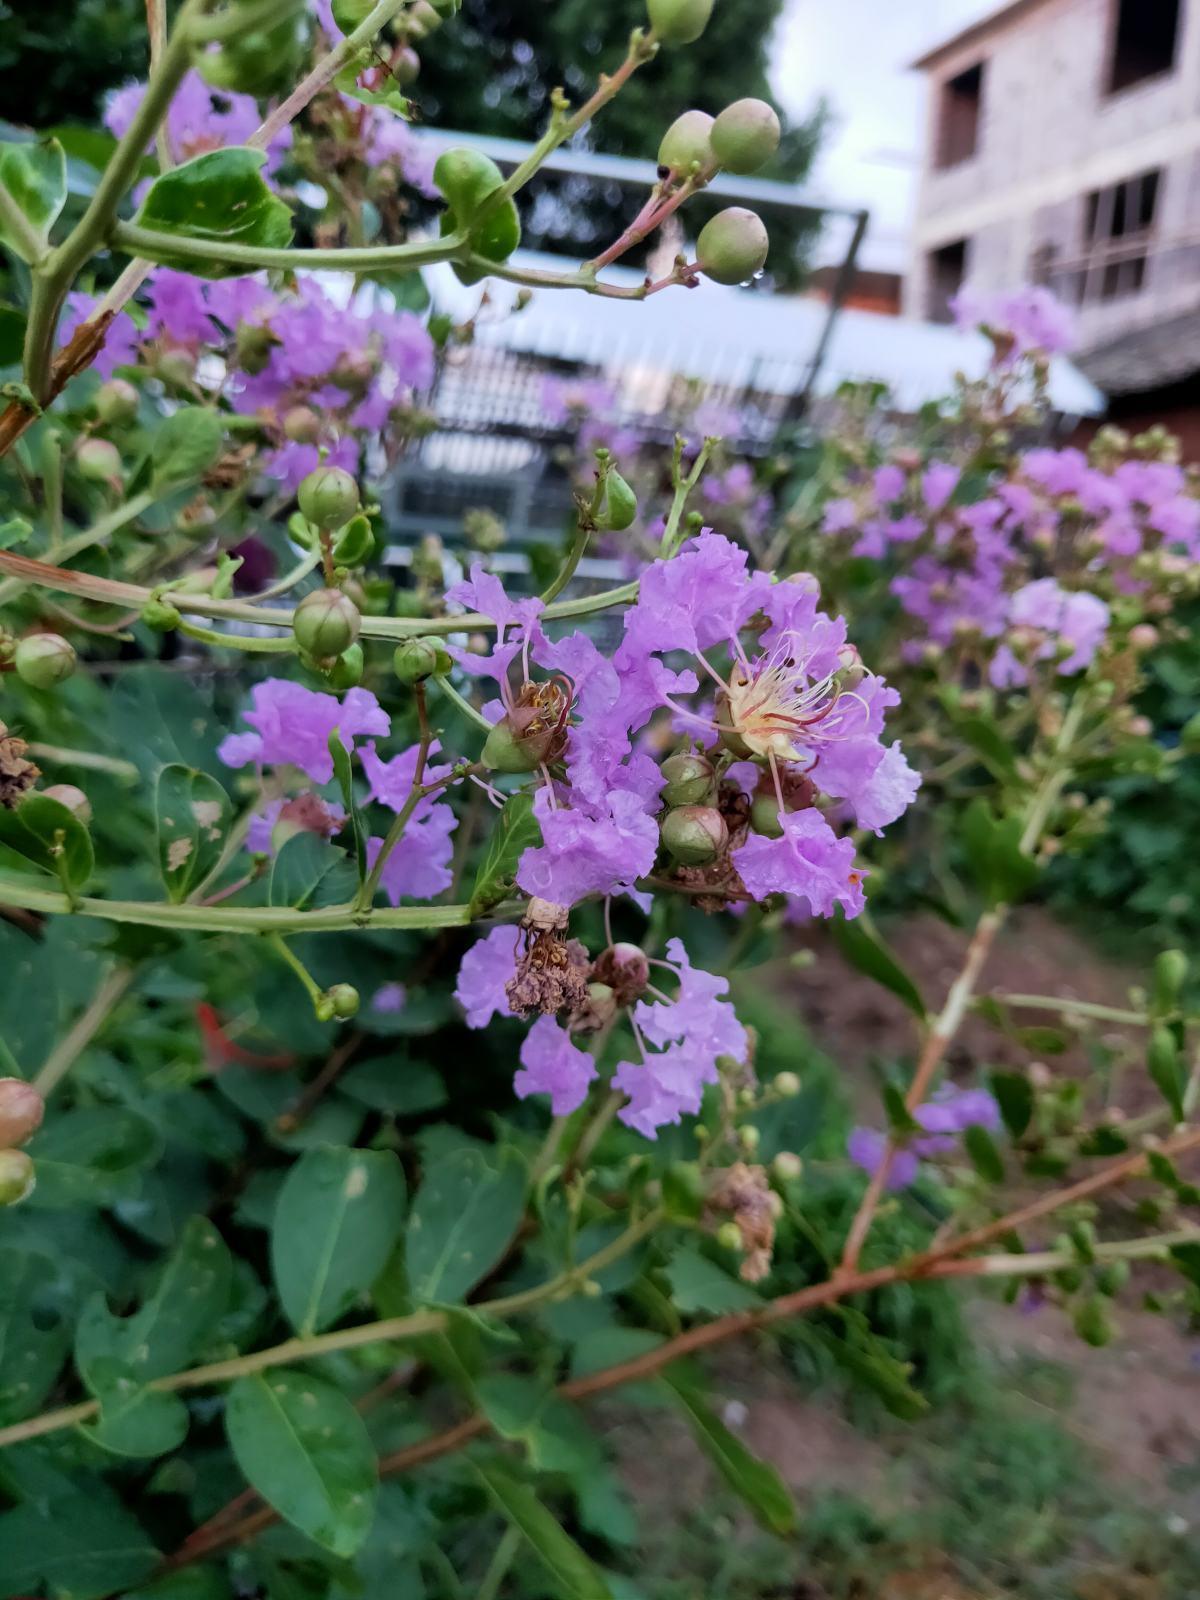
x,y
88,759
1083,1008
29,894
683,492
252,644
464,705
536,278
169,246
52,490
566,572
71,1046
281,949
498,1568
96,534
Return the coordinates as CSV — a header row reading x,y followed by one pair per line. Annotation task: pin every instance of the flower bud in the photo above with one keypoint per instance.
x,y
98,460
764,815
301,425
749,1138
17,1180
347,670
21,1112
116,401
686,143
176,368
43,660
729,1236
787,1166
328,497
625,969
679,21
80,806
326,623
745,136
533,733
619,506
418,659
732,246
406,66
344,999
1143,636
689,778
694,835
787,1084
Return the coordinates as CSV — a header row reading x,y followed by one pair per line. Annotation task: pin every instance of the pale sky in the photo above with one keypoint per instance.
x,y
855,53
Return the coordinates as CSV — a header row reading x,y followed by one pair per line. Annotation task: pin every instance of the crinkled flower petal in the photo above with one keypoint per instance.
x,y
809,861
551,1064
486,969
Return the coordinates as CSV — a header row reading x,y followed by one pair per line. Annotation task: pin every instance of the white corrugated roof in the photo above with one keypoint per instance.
x,y
737,337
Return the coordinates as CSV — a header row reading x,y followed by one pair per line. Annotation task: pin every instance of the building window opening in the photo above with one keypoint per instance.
x,y
1118,230
1145,36
961,107
947,273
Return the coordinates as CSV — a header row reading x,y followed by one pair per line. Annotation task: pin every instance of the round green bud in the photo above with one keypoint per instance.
x,y
328,497
406,67
78,804
1093,1322
466,177
764,815
17,1178
422,20
301,425
504,751
116,401
326,623
418,659
732,246
679,21
787,1084
43,660
98,460
729,1236
1170,975
745,136
690,778
160,615
787,1166
686,143
176,368
344,999
749,1138
21,1112
1112,1277
347,670
694,835
618,509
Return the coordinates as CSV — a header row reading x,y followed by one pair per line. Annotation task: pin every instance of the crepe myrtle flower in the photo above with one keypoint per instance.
x,y
944,1117
200,118
292,726
1049,622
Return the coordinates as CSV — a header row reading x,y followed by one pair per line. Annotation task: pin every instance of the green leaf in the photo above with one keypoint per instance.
x,y
516,831
985,738
309,872
395,1085
463,1218
35,1331
343,771
863,948
1002,871
139,1422
13,530
45,833
755,1481
82,1545
901,1121
1166,1069
1014,1095
306,1450
186,445
1187,1258
35,176
985,1157
193,816
90,1156
219,196
698,1284
573,1574
339,1215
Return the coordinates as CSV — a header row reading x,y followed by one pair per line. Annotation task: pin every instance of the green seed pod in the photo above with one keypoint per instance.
x,y
344,998
686,143
176,368
1112,1277
679,21
1093,1323
729,1236
418,659
354,545
745,136
328,497
1170,975
749,1138
694,835
17,1178
160,615
116,401
732,246
301,425
44,660
466,177
764,815
77,803
690,779
326,623
21,1112
406,67
619,506
347,670
787,1084
504,751
98,460
787,1166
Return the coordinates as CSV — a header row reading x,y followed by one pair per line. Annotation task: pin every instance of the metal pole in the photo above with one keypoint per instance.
x,y
842,286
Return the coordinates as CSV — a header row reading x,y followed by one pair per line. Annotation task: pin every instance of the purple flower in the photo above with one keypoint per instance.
x,y
938,484
866,1147
551,1064
389,999
809,861
200,119
890,482
588,848
949,1113
293,725
486,968
418,868
1031,317
1074,621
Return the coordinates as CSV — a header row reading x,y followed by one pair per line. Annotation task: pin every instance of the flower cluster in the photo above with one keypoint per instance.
x,y
944,1117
